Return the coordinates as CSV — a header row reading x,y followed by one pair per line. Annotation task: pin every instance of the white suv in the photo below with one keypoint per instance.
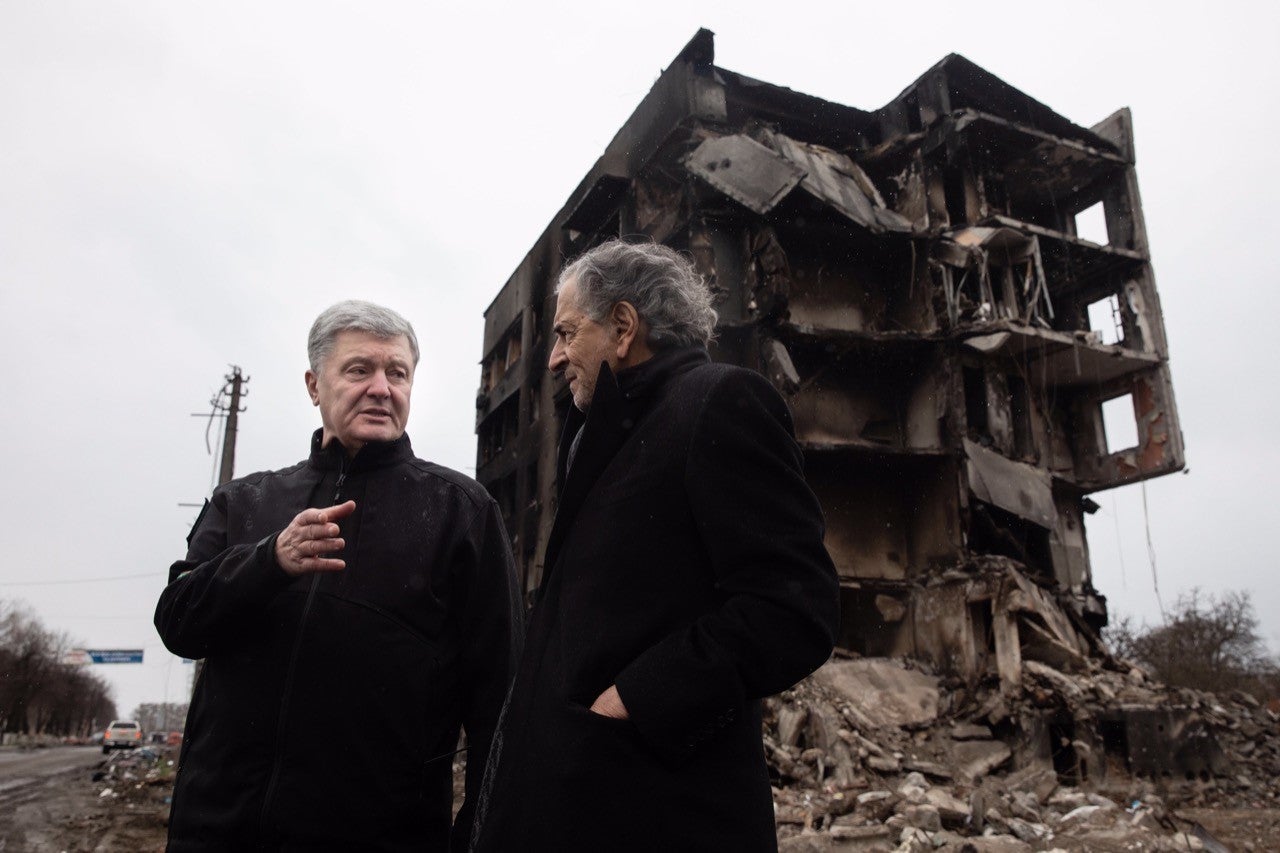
x,y
121,734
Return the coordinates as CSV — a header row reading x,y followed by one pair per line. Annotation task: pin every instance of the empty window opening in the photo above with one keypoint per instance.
x,y
1067,762
1091,225
1115,746
499,430
513,348
984,639
1119,423
497,370
1105,319
975,401
863,628
504,494
995,531
954,191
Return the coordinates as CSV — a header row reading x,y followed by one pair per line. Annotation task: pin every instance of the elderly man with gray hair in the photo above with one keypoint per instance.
x,y
354,612
685,578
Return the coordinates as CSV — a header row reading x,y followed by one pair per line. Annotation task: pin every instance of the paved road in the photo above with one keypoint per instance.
x,y
23,773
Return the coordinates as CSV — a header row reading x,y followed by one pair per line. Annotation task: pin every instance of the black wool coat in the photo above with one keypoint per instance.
x,y
686,567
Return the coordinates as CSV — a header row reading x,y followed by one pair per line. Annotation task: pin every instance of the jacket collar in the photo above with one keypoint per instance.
x,y
375,454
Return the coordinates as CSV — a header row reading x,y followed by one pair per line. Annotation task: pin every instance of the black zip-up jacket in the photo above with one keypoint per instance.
x,y
329,705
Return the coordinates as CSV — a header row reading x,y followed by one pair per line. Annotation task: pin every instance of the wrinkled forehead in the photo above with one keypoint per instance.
x,y
567,307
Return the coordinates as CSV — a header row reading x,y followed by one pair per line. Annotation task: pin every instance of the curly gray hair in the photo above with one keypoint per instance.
x,y
666,291
355,315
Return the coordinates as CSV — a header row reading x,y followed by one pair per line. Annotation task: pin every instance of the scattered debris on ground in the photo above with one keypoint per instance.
x,y
881,754
118,805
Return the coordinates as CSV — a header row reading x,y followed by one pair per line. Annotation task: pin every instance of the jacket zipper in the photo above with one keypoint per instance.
x,y
288,679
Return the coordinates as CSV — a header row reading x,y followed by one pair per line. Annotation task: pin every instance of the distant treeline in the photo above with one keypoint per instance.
x,y
39,694
1206,642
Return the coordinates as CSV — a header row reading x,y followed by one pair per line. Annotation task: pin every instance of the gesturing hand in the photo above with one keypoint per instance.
x,y
300,547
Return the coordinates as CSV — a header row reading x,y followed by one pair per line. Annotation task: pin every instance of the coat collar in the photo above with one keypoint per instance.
x,y
637,382
375,454
619,402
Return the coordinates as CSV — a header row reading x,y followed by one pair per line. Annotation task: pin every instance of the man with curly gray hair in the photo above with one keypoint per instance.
x,y
685,579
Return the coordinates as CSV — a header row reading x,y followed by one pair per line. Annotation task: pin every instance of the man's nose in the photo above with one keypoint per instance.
x,y
378,385
556,363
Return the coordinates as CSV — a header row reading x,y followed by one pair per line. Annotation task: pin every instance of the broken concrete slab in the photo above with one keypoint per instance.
x,y
923,816
1037,779
932,769
859,838
751,174
977,758
953,811
1024,490
988,844
970,731
884,690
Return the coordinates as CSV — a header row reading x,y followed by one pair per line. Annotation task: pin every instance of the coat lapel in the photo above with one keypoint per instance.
x,y
603,434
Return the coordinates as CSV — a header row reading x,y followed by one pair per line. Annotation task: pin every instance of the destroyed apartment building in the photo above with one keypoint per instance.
x,y
914,282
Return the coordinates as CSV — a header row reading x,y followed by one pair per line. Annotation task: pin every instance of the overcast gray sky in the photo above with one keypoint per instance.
x,y
184,186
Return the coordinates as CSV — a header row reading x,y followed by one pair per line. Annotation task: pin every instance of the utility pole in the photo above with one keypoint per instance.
x,y
235,390
236,381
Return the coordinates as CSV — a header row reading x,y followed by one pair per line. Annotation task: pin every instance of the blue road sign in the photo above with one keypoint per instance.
x,y
115,655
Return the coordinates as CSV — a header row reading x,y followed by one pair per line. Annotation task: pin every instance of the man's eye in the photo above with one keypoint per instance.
x,y
357,371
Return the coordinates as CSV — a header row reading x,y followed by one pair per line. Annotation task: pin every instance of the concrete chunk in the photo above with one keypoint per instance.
x,y
977,758
883,690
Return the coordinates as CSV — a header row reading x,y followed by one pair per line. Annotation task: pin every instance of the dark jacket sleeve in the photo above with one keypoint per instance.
x,y
217,587
492,633
762,529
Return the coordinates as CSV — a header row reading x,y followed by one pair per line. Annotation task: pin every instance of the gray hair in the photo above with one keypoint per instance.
x,y
355,315
666,291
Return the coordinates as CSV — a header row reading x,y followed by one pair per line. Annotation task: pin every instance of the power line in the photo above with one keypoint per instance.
x,y
84,580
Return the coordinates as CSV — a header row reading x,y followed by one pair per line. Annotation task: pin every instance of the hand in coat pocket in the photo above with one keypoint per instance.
x,y
609,704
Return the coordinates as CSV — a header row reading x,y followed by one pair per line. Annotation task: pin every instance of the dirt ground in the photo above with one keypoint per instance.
x,y
1252,829
127,809
69,811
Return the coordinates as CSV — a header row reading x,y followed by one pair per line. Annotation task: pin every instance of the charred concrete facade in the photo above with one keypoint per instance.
x,y
913,279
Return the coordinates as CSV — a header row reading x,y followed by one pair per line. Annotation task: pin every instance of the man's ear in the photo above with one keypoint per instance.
x,y
312,387
624,320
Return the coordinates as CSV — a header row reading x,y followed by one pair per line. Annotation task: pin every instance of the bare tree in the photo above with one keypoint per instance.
x,y
39,694
29,656
1207,642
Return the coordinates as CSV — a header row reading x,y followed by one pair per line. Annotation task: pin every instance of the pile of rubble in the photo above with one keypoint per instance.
x,y
143,775
881,754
